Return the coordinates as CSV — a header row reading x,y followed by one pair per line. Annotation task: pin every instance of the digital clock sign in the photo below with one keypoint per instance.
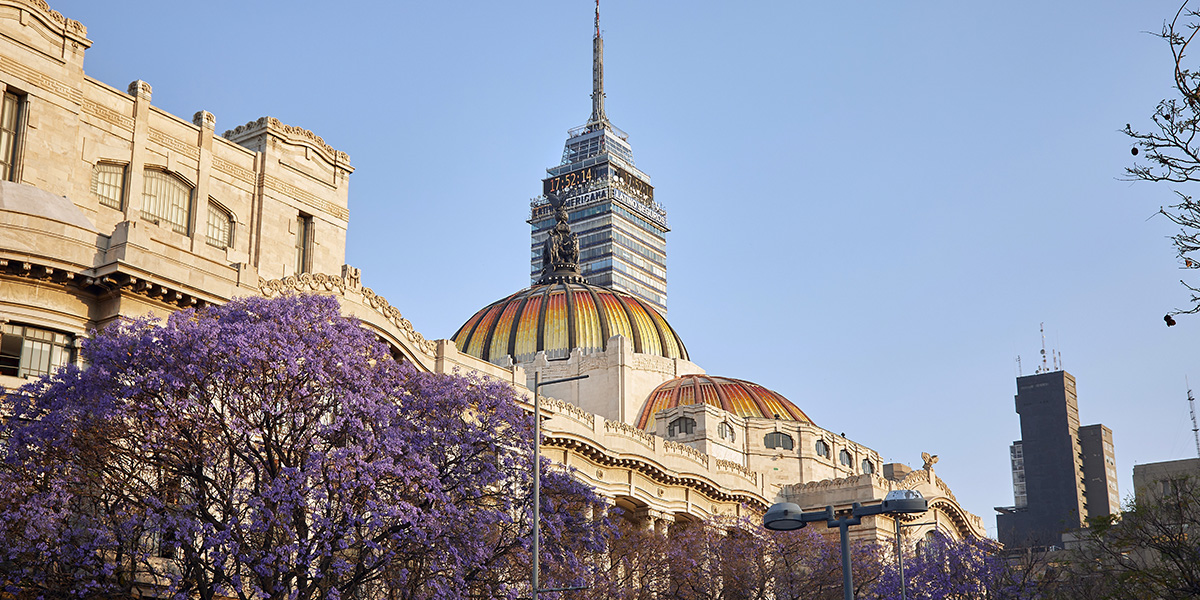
x,y
554,185
633,182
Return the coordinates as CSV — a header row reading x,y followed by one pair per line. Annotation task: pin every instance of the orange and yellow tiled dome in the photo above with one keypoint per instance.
x,y
742,398
559,316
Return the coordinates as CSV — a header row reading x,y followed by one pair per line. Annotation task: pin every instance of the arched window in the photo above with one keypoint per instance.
x,y
220,225
776,439
681,426
845,458
166,199
725,430
868,466
822,448
108,184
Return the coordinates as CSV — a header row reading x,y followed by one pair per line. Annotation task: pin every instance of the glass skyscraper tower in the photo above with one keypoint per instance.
x,y
609,202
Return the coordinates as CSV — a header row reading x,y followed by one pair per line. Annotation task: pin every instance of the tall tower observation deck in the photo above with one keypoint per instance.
x,y
610,204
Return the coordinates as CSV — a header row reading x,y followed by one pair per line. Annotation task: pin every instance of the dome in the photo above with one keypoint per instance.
x,y
560,315
742,398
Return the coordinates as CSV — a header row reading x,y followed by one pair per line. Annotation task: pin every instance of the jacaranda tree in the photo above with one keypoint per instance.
x,y
272,449
946,569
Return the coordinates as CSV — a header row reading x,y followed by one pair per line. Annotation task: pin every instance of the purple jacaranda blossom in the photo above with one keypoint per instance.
x,y
271,448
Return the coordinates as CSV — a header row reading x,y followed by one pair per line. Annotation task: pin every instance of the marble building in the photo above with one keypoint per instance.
x,y
111,207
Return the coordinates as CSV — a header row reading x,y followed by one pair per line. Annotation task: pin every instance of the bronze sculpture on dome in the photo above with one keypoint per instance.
x,y
560,251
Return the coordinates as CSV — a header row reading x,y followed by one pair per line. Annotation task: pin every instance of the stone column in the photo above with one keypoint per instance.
x,y
140,90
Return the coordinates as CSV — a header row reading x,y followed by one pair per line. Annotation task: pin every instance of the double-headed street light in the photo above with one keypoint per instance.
x,y
787,516
537,475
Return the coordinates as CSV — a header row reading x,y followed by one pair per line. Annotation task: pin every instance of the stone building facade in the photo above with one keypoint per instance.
x,y
112,207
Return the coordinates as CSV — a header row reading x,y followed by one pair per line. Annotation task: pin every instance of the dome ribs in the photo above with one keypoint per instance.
x,y
742,398
602,314
497,346
638,345
662,337
767,413
562,316
480,318
726,405
542,310
572,338
516,322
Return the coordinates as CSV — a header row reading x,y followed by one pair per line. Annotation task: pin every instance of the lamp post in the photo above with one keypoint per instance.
x,y
900,554
537,472
787,516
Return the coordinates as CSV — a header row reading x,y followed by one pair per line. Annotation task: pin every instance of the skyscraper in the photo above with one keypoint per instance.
x,y
1069,471
610,204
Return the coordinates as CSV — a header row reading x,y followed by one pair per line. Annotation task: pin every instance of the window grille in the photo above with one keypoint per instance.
x,y
304,243
10,112
220,225
167,200
108,184
776,439
681,426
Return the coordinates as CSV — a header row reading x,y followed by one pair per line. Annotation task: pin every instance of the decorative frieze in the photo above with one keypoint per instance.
x,y
107,114
163,139
233,170
687,451
335,156
306,197
629,431
564,407
38,79
738,468
68,25
322,283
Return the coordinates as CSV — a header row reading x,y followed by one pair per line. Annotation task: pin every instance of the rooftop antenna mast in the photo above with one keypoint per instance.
x,y
1192,409
1041,328
598,116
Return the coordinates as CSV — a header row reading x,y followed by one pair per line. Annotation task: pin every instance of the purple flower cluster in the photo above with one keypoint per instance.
x,y
272,449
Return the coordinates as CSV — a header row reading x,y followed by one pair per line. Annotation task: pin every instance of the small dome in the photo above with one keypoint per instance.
x,y
559,316
742,398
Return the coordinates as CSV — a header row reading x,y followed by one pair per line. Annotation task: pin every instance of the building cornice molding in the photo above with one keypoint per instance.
x,y
652,471
293,134
348,285
69,27
98,283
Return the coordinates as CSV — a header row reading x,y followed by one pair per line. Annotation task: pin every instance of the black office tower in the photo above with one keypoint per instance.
x,y
1057,465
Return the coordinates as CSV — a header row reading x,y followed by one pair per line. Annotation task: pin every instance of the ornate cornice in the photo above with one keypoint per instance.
x,y
653,472
290,131
124,282
68,25
967,523
344,286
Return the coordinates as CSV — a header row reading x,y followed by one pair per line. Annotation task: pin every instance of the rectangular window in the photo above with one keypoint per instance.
x,y
30,351
108,184
304,243
9,119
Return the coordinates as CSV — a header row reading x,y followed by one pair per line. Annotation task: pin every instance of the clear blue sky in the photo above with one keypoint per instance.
x,y
873,205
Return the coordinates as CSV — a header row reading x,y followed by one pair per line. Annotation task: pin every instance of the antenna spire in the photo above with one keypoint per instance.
x,y
598,116
1192,409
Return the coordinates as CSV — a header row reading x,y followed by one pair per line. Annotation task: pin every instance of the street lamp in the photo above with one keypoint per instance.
x,y
537,474
787,516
